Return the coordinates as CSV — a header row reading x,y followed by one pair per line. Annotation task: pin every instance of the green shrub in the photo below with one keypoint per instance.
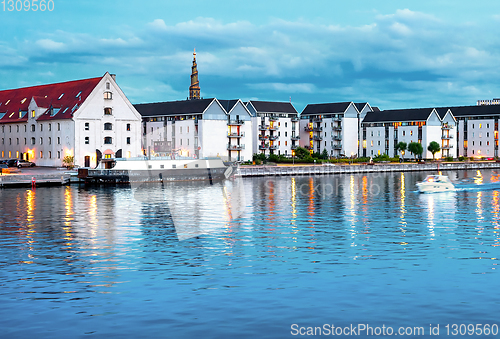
x,y
461,158
449,158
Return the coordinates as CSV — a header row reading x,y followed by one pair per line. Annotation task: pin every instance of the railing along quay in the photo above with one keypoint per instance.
x,y
260,171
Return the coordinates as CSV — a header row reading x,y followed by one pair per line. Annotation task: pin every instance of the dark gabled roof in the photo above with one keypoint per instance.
x,y
442,112
228,104
334,107
460,111
375,109
397,115
65,96
360,105
272,107
173,107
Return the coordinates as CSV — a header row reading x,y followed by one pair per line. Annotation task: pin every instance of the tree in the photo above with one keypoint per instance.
x,y
401,147
415,148
68,161
324,154
302,153
433,148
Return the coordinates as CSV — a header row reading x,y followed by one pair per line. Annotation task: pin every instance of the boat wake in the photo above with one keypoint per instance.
x,y
471,187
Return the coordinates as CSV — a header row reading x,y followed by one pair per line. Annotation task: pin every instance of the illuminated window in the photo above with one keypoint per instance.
x,y
108,111
128,127
480,125
41,154
108,95
33,113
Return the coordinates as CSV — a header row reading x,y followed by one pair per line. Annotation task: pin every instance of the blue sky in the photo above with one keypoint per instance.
x,y
393,54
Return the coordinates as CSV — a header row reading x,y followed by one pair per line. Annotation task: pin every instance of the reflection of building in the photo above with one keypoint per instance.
x,y
333,127
275,127
383,130
89,119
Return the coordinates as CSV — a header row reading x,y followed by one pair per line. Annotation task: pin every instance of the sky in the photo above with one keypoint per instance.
x,y
392,54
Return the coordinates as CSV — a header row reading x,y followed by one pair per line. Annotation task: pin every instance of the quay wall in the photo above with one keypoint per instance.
x,y
260,171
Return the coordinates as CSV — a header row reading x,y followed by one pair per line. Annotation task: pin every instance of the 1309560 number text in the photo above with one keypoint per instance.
x,y
27,5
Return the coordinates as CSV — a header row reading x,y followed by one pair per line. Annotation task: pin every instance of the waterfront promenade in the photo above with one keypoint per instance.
x,y
328,169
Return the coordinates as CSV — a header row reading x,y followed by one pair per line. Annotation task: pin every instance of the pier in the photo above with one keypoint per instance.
x,y
35,179
328,169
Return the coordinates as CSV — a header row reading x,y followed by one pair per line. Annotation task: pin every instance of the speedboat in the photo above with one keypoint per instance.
x,y
435,183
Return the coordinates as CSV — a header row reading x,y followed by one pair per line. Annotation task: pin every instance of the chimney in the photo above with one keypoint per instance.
x,y
114,77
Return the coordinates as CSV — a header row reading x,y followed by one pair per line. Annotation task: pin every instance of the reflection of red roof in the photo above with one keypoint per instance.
x,y
62,96
108,151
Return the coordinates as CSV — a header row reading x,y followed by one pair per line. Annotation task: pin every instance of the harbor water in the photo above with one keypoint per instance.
x,y
264,257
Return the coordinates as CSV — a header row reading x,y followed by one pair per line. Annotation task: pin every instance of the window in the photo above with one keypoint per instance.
x,y
17,127
108,95
128,127
108,140
25,128
379,142
87,140
17,141
180,130
108,111
404,133
50,141
33,141
33,113
3,141
371,133
58,154
58,140
10,141
50,154
174,166
41,141
128,140
58,126
41,128
41,154
286,124
188,129
480,125
32,128
50,127
188,142
10,129
181,142
411,133
286,133
108,86
487,134
108,126
25,141
87,126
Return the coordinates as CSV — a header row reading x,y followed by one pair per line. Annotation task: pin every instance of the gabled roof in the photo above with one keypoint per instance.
x,y
334,107
173,107
442,112
460,111
227,104
13,101
272,107
360,105
397,115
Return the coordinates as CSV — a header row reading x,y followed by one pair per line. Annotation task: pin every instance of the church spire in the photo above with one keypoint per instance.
x,y
194,89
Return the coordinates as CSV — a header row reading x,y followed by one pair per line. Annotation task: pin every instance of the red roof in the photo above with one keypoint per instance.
x,y
63,96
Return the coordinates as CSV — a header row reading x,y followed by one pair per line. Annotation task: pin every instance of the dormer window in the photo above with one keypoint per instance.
x,y
33,113
78,94
7,102
60,97
108,95
23,101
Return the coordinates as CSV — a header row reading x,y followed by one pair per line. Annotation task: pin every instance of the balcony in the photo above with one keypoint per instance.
x,y
236,135
307,128
337,128
318,129
263,137
295,146
273,127
446,126
446,137
273,118
273,137
263,127
337,146
337,119
295,137
235,147
317,119
448,146
273,147
337,137
295,119
317,137
235,122
264,147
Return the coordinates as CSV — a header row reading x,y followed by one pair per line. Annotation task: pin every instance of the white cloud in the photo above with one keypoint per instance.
x,y
50,45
